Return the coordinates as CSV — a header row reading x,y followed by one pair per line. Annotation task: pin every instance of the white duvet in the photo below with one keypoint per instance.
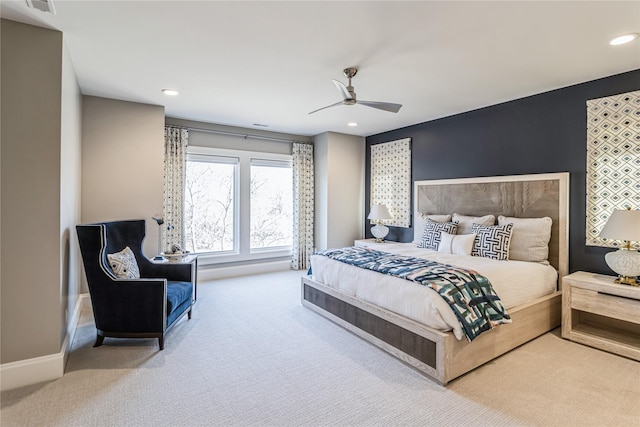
x,y
515,282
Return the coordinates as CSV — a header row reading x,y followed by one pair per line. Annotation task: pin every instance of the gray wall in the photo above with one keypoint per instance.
x,y
70,188
122,163
339,189
40,123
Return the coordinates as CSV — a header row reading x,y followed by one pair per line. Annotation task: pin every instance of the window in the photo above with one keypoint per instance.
x,y
271,204
238,204
210,204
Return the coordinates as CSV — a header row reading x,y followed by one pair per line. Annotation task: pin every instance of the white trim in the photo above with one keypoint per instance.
x,y
44,368
506,178
196,150
242,270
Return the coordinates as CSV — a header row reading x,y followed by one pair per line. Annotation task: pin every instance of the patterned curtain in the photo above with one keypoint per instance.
x,y
303,205
175,158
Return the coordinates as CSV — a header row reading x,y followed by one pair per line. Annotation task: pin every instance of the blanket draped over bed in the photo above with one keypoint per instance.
x,y
468,293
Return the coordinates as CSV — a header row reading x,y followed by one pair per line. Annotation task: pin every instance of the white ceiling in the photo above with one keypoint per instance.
x,y
239,63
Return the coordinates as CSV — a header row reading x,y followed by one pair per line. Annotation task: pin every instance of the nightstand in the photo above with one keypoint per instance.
x,y
601,314
370,243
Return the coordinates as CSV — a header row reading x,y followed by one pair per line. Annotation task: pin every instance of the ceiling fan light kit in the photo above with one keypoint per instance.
x,y
349,96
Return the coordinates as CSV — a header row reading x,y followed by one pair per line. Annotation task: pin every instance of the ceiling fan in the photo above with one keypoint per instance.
x,y
349,96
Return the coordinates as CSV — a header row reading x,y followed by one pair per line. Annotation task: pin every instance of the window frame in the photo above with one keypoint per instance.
x,y
262,162
229,160
242,208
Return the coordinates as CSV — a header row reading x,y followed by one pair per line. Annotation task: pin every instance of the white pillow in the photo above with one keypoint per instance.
x,y
529,239
420,220
123,264
460,244
465,222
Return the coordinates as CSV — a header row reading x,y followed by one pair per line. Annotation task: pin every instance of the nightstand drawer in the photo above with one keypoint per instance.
x,y
603,304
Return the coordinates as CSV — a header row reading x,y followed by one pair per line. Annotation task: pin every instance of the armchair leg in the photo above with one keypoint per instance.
x,y
99,340
189,314
161,341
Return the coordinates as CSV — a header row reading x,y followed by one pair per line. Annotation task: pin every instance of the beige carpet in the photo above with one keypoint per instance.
x,y
253,356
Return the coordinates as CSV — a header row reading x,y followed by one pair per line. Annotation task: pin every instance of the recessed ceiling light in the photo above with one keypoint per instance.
x,y
352,124
170,92
626,38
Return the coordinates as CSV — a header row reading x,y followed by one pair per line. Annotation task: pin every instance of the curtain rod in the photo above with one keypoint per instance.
x,y
239,134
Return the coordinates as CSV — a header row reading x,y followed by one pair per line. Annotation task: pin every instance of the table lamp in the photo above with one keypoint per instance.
x,y
624,225
377,214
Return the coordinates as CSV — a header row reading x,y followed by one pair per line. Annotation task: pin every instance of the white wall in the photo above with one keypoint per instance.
x,y
339,187
123,163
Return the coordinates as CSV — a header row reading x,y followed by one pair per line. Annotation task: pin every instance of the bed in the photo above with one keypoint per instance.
x,y
355,300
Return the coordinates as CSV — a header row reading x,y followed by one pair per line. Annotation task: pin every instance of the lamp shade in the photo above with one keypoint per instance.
x,y
622,225
379,212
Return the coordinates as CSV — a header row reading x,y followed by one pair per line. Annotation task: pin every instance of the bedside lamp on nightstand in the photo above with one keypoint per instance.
x,y
624,225
377,214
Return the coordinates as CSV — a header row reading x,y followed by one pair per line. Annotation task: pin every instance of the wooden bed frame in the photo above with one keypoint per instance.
x,y
439,355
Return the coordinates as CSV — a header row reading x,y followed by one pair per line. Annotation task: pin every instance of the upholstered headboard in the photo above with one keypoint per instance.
x,y
523,196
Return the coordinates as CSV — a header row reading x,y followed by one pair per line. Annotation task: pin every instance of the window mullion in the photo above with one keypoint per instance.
x,y
244,208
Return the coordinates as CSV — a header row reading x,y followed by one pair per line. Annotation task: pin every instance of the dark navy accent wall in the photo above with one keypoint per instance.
x,y
542,133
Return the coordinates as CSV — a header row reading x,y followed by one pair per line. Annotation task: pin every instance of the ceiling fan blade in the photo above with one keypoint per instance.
x,y
342,89
386,106
328,106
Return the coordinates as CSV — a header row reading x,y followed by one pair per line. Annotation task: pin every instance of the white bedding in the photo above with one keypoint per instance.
x,y
515,282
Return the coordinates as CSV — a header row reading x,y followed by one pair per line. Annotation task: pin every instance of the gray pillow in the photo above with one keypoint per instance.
x,y
465,222
530,238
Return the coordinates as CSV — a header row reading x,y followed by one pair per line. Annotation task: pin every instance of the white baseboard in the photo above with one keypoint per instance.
x,y
44,368
212,273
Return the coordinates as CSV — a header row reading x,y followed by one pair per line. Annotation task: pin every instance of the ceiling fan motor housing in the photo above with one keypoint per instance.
x,y
350,72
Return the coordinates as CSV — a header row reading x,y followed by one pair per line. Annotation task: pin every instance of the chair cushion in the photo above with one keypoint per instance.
x,y
177,294
123,264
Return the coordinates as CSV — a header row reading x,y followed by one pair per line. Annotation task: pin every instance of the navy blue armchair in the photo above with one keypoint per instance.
x,y
132,308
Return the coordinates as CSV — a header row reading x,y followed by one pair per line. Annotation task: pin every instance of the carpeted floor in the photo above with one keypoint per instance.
x,y
253,356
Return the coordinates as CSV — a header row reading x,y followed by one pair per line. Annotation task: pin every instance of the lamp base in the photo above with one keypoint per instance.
x,y
379,231
627,280
626,263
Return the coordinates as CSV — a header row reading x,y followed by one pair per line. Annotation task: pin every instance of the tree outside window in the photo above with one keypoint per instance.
x,y
271,204
209,206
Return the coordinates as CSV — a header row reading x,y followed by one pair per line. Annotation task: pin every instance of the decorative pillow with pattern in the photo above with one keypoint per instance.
x,y
123,264
432,233
419,221
492,241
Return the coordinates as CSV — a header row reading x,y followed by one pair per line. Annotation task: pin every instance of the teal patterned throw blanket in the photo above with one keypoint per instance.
x,y
469,294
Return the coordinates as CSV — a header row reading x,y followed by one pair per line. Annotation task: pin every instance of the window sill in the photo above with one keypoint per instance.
x,y
206,259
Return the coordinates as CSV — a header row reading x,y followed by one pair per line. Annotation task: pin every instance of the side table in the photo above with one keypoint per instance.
x,y
370,243
601,314
185,259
